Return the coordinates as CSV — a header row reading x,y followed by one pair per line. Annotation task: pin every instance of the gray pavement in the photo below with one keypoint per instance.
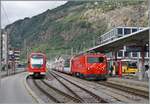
x,y
129,81
18,70
12,90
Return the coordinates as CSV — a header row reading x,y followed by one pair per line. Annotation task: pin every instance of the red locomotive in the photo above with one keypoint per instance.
x,y
91,66
37,64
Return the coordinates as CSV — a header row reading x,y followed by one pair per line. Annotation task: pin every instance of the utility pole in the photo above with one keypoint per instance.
x,y
93,41
149,46
6,54
72,51
76,51
0,55
26,50
25,47
0,50
83,46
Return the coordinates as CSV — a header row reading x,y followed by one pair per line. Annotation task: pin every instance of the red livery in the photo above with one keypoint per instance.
x,y
37,64
89,66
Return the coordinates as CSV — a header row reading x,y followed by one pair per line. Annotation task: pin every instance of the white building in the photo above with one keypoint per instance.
x,y
4,47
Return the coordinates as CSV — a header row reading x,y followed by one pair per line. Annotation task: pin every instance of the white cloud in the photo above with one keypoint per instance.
x,y
20,9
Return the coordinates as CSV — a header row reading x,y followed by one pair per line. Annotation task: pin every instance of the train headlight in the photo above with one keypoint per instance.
x,y
102,68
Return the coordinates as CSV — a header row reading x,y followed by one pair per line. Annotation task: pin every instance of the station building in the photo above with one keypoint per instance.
x,y
126,52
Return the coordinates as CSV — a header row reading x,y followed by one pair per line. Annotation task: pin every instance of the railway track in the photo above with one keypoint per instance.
x,y
52,93
110,94
68,88
130,90
83,94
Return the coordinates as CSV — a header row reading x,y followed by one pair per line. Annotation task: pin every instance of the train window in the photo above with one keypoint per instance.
x,y
132,64
37,56
37,61
95,59
127,31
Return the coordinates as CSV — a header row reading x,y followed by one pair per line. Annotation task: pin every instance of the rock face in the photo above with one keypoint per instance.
x,y
76,24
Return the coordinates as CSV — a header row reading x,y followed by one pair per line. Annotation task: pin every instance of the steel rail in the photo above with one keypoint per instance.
x,y
91,93
45,92
62,93
78,97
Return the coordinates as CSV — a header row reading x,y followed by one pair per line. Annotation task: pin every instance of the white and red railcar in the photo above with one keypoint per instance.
x,y
37,64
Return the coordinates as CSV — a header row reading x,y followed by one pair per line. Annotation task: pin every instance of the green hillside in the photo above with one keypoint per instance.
x,y
75,25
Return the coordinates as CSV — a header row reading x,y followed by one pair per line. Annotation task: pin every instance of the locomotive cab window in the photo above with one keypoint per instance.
x,y
95,59
37,61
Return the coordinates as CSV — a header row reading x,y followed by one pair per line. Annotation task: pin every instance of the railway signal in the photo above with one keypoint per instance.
x,y
14,55
17,55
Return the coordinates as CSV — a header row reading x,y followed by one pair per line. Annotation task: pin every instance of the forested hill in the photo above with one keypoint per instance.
x,y
75,24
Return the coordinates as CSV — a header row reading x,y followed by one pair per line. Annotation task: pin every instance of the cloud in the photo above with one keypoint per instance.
x,y
20,9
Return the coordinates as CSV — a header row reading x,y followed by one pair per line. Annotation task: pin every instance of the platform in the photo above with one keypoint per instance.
x,y
142,85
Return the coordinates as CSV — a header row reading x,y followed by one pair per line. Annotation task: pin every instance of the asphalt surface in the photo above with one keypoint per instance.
x,y
4,73
13,90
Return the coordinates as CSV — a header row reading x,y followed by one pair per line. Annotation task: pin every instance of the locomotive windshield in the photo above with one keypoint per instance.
x,y
132,65
37,61
95,59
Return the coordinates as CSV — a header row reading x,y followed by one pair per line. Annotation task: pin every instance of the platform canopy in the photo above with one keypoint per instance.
x,y
139,38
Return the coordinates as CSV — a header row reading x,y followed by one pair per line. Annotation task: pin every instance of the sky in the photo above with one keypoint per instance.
x,y
14,10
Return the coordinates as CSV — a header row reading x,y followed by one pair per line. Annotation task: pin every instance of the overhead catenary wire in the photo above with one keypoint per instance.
x,y
3,8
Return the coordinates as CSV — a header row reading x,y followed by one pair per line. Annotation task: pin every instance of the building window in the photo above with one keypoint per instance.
x,y
120,54
127,54
134,30
145,54
134,54
119,30
127,31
